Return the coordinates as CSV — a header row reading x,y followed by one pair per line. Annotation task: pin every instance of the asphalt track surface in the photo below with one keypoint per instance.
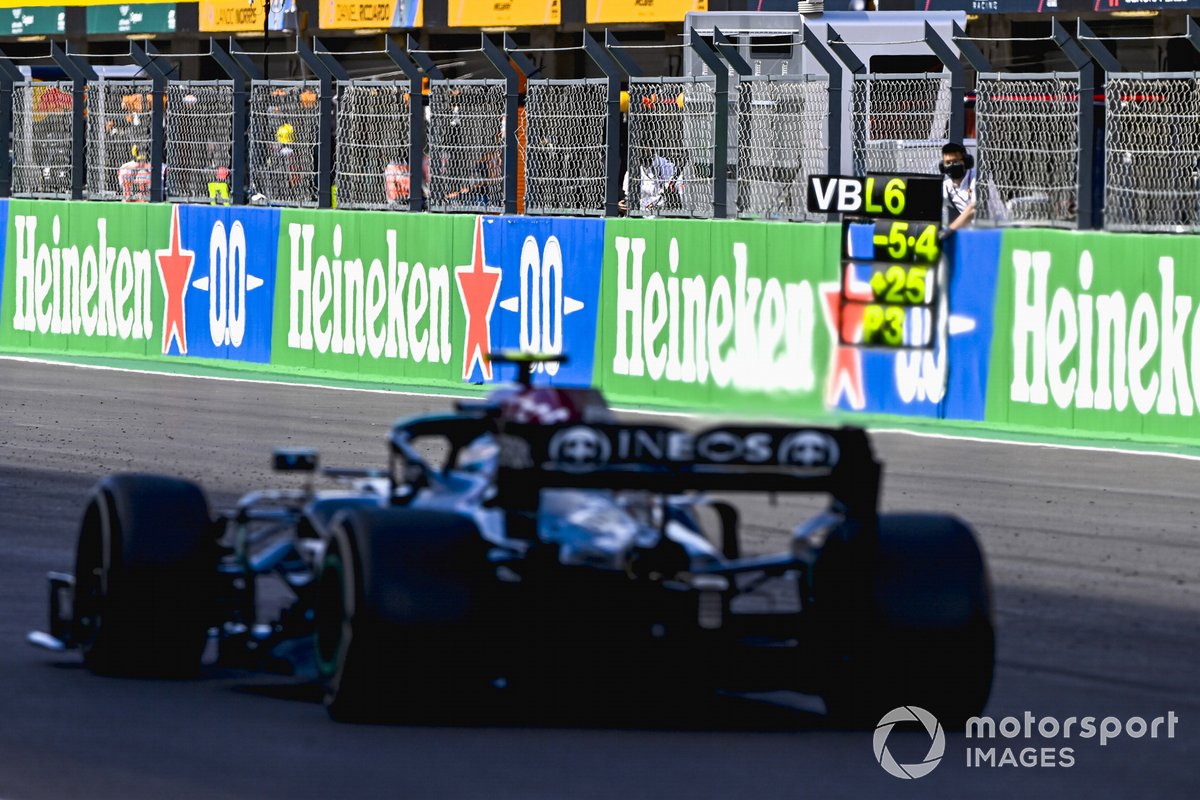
x,y
1094,557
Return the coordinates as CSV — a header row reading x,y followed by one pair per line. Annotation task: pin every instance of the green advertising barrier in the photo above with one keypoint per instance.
x,y
1099,333
81,277
721,316
372,295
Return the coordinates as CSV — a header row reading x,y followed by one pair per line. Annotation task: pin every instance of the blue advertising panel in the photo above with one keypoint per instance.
x,y
549,292
949,381
230,298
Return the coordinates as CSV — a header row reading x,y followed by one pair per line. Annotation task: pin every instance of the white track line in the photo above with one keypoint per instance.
x,y
285,381
1044,445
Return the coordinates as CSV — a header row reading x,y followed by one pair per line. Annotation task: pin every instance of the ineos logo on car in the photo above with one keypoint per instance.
x,y
937,745
579,449
809,449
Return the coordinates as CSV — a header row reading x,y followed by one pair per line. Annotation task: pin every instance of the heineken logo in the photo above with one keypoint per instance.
x,y
674,325
1079,347
388,308
98,290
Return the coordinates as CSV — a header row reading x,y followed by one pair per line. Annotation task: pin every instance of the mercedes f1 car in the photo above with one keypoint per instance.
x,y
546,545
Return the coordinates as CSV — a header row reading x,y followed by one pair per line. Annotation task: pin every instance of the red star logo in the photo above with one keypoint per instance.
x,y
478,285
845,362
174,270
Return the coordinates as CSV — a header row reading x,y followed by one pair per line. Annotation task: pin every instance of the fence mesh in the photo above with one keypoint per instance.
x,y
565,146
284,126
41,139
118,140
1028,133
900,122
466,145
199,134
671,144
782,138
1152,152
374,135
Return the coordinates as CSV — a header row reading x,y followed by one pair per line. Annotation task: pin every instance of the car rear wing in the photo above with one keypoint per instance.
x,y
670,460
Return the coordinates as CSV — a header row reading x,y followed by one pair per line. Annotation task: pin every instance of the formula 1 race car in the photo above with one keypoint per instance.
x,y
547,548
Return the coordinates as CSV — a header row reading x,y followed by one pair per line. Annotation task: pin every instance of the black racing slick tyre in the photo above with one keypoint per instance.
x,y
398,613
143,573
906,623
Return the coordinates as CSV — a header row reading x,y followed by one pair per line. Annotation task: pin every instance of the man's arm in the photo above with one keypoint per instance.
x,y
965,216
964,219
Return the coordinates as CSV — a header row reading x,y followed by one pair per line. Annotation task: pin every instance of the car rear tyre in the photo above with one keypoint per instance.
x,y
143,569
908,622
397,613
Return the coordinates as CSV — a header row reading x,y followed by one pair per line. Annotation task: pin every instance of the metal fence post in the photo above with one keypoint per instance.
x,y
9,75
499,60
728,50
1083,64
857,68
416,122
157,124
612,124
612,46
720,167
958,82
241,70
974,56
80,72
833,68
1192,33
324,123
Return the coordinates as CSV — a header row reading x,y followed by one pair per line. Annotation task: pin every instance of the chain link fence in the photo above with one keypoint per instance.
x,y
782,138
284,128
466,146
374,136
1028,134
199,141
565,146
899,123
1152,152
118,139
41,139
671,146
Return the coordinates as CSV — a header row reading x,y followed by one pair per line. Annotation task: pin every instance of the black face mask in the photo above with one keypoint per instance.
x,y
956,170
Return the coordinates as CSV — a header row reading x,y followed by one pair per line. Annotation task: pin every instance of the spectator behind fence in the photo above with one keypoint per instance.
x,y
397,182
958,186
486,186
134,177
656,182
